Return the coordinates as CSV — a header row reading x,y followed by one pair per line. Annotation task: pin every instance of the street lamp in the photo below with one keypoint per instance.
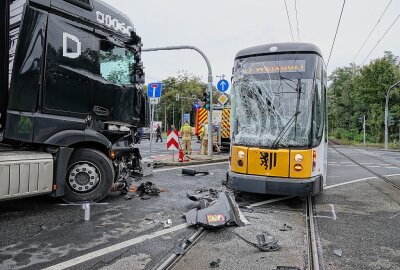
x,y
387,113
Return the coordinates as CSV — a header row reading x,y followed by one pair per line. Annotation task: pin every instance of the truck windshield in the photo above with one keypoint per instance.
x,y
116,64
272,100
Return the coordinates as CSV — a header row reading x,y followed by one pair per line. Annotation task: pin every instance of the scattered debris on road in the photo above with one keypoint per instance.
x,y
338,252
193,172
287,268
216,209
265,242
168,223
286,228
215,264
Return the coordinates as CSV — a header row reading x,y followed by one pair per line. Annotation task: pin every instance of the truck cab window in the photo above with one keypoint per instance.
x,y
116,63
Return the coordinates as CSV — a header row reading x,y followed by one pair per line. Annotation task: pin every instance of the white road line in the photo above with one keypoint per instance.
x,y
333,211
366,163
190,166
384,164
351,165
334,164
373,166
357,180
346,162
119,246
268,201
392,168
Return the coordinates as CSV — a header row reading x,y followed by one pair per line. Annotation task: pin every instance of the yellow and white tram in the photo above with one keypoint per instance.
x,y
279,120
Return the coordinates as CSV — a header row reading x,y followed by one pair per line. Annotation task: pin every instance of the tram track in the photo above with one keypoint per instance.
x,y
380,176
313,259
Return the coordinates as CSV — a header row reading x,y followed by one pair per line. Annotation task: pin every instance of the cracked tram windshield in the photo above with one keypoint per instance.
x,y
274,99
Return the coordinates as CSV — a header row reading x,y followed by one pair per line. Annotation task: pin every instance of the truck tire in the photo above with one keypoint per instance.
x,y
90,175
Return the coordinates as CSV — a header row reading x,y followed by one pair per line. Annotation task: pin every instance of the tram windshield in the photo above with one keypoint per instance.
x,y
277,101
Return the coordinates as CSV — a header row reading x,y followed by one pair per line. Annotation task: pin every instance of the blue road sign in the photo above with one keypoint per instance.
x,y
223,85
154,90
186,117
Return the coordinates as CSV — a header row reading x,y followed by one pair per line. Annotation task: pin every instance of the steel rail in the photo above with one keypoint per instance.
x,y
313,260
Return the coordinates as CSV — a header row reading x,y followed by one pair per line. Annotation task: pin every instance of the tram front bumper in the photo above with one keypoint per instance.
x,y
275,185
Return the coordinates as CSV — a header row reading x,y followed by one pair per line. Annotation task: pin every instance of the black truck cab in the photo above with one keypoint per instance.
x,y
75,82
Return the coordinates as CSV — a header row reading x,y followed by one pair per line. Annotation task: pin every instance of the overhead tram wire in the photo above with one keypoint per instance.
x,y
297,20
376,44
337,28
290,24
370,33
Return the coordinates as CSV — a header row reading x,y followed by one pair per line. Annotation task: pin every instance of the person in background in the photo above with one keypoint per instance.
x,y
140,134
204,139
158,133
186,133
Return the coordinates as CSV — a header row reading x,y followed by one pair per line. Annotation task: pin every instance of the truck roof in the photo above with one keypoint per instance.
x,y
278,48
94,11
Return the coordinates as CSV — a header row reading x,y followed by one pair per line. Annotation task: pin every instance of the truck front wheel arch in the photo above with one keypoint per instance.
x,y
89,177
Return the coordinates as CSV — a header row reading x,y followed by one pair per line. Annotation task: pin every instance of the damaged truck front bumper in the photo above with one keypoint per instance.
x,y
275,185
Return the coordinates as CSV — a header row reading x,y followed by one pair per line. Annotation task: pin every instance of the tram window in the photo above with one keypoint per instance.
x,y
318,115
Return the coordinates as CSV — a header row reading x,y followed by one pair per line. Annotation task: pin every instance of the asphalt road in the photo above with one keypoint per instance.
x,y
359,217
160,148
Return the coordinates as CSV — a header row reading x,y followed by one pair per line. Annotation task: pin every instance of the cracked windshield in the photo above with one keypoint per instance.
x,y
273,100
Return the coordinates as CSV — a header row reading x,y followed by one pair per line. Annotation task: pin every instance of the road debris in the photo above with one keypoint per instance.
x,y
338,252
168,223
286,228
216,209
194,172
287,268
146,190
215,264
265,242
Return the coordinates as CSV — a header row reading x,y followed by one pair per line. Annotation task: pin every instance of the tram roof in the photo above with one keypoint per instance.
x,y
278,48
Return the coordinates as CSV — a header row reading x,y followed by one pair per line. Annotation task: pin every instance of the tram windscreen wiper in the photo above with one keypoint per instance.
x,y
292,120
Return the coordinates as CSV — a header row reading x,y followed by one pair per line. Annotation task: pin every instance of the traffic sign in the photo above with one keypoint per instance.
x,y
154,100
223,85
186,117
172,140
154,90
222,99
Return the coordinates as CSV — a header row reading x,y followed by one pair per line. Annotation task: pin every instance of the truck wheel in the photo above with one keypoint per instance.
x,y
90,175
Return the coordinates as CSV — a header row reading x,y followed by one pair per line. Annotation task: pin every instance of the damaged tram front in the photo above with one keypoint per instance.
x,y
279,120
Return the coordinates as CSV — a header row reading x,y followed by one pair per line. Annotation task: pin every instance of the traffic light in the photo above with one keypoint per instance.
x,y
206,100
360,120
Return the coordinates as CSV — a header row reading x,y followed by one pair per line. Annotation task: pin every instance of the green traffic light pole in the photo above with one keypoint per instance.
x,y
387,113
210,80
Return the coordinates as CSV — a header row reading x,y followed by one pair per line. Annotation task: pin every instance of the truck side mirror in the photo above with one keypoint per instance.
x,y
137,79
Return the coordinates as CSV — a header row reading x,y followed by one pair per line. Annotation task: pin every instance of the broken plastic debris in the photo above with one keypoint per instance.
x,y
285,228
193,172
215,264
168,223
265,242
216,212
338,252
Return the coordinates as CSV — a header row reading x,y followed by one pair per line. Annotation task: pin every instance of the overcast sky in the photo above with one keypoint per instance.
x,y
223,27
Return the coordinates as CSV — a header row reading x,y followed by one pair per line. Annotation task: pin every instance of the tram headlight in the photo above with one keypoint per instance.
x,y
240,154
298,158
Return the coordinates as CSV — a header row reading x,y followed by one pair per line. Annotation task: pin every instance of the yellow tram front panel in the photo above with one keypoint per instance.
x,y
239,159
268,162
301,162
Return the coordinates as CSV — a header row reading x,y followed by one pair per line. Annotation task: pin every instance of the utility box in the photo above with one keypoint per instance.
x,y
25,174
147,166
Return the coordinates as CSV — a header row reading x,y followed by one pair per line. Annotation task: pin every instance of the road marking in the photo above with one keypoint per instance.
x,y
384,164
372,166
190,166
268,201
346,162
395,215
334,217
392,168
119,246
351,165
366,163
358,180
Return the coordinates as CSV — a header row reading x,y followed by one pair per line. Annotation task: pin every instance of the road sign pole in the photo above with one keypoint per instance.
x,y
210,131
364,129
151,125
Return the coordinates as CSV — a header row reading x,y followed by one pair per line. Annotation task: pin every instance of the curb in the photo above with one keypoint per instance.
x,y
188,163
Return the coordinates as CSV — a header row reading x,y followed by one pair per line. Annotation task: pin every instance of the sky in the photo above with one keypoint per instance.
x,y
220,28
